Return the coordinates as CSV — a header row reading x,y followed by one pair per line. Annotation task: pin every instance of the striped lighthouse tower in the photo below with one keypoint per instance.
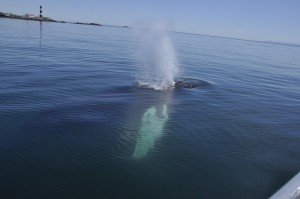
x,y
41,11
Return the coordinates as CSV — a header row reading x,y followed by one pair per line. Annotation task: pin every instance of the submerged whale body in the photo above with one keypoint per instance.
x,y
189,83
151,130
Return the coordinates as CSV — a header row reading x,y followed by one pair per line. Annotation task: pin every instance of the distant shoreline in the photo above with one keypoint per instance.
x,y
26,17
38,18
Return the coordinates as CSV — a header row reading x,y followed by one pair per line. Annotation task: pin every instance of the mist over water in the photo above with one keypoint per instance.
x,y
156,57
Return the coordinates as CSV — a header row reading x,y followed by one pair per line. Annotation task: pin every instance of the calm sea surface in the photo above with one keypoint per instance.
x,y
73,123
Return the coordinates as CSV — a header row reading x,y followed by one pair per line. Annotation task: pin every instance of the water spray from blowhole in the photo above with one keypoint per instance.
x,y
157,61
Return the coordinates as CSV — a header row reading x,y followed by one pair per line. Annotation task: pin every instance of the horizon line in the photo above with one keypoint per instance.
x,y
292,44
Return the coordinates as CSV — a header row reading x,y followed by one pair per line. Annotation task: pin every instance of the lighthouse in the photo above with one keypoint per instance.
x,y
41,11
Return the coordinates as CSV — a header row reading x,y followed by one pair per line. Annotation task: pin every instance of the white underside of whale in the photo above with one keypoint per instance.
x,y
151,130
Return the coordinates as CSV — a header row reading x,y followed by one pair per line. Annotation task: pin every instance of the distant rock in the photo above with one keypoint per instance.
x,y
91,24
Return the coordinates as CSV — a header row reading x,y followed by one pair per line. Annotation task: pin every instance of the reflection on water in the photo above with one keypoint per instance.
x,y
41,34
151,129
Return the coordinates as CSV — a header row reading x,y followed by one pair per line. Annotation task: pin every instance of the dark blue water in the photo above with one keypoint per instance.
x,y
73,123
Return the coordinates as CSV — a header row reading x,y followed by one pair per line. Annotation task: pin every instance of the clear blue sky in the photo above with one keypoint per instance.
x,y
271,20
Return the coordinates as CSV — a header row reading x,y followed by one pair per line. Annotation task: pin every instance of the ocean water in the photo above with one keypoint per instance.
x,y
74,123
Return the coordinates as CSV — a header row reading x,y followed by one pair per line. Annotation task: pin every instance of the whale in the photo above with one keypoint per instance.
x,y
189,83
151,130
177,83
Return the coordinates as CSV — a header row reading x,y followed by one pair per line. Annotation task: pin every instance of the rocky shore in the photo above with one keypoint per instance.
x,y
26,17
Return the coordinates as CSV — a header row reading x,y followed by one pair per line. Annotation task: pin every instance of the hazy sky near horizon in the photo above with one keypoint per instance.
x,y
268,20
